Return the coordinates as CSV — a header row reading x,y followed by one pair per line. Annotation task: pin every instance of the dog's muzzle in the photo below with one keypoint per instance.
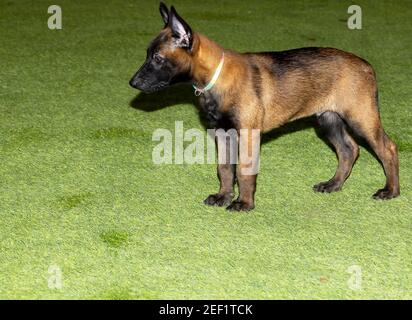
x,y
134,83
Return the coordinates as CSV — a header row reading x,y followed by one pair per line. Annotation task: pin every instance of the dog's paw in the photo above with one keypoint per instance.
x,y
240,206
328,186
385,194
218,199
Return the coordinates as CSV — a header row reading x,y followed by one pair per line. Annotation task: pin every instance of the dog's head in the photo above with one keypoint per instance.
x,y
168,59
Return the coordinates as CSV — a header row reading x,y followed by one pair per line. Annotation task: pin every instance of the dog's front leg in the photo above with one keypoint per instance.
x,y
225,172
247,169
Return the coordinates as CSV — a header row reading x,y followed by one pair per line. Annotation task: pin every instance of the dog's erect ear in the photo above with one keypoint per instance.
x,y
182,33
164,12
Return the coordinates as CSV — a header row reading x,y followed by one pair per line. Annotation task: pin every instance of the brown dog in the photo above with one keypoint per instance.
x,y
266,90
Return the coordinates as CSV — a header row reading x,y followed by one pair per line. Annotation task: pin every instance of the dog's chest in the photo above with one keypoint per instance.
x,y
212,112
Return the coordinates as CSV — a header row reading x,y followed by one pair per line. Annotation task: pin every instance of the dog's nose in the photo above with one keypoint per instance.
x,y
133,83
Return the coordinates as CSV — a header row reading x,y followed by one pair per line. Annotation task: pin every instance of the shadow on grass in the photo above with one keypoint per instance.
x,y
178,94
183,94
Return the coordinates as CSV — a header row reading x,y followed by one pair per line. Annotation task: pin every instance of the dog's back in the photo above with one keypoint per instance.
x,y
305,81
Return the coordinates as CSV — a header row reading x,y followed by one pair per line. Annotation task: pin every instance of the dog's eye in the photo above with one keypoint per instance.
x,y
157,58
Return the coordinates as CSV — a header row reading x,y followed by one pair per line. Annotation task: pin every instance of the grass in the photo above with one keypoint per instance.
x,y
79,190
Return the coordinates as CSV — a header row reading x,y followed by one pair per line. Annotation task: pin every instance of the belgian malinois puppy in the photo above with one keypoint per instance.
x,y
266,90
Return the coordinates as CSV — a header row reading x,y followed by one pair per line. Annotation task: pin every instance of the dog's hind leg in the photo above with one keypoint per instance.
x,y
346,148
384,148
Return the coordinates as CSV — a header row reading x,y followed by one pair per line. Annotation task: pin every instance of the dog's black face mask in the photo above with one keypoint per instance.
x,y
156,73
168,56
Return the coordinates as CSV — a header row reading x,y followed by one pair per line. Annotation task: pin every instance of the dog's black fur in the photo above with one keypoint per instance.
x,y
268,89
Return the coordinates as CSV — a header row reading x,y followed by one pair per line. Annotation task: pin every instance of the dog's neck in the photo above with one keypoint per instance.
x,y
206,58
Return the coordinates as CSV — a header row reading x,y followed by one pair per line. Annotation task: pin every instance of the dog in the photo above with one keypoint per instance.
x,y
265,90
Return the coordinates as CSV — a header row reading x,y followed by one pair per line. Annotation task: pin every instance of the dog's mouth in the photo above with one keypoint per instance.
x,y
149,88
153,89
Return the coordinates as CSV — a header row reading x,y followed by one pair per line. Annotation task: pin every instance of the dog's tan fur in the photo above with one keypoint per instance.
x,y
266,90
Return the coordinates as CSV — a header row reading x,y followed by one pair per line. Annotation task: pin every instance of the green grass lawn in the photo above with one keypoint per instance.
x,y
79,190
